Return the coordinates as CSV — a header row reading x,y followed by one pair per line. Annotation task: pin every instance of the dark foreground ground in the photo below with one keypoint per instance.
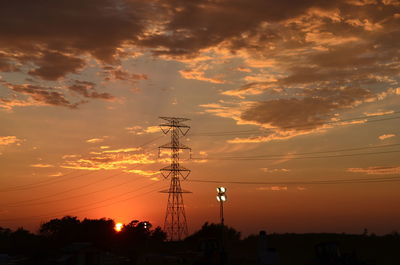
x,y
94,242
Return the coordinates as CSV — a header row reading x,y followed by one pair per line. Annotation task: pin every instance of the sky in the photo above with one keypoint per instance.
x,y
293,107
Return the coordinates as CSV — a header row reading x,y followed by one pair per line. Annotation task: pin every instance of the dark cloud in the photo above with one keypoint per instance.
x,y
41,95
195,25
87,90
304,113
52,66
331,59
118,73
313,45
53,34
6,65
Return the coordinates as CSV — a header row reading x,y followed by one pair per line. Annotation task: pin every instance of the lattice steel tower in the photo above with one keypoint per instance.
x,y
175,224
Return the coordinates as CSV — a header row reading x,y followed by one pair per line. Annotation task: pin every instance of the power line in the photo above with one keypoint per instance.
x,y
305,157
45,182
61,178
73,189
305,125
298,154
31,202
76,196
83,208
316,182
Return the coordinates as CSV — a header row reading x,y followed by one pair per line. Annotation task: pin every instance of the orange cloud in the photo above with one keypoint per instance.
x,y
58,174
95,140
273,188
197,74
386,136
285,170
42,95
380,113
376,170
8,140
118,73
122,150
110,160
41,165
142,172
10,103
139,130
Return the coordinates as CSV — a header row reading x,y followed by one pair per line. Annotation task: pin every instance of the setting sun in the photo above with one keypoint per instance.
x,y
118,227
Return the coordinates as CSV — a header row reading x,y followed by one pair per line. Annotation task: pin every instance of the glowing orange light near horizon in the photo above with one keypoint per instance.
x,y
118,227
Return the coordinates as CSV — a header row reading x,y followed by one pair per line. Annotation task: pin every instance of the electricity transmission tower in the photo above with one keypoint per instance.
x,y
175,224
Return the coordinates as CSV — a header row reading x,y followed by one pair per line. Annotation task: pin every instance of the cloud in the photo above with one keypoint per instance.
x,y
338,53
142,172
284,170
58,174
53,35
95,140
53,40
380,113
273,188
109,160
54,65
9,103
122,150
315,111
9,140
386,136
317,62
6,65
306,113
87,90
276,135
197,74
118,73
194,26
254,88
38,96
41,165
243,69
376,170
139,130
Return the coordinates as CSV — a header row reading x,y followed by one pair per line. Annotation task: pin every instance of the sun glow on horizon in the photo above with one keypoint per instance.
x,y
118,227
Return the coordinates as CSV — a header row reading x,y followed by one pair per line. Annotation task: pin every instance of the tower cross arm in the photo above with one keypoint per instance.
x,y
171,146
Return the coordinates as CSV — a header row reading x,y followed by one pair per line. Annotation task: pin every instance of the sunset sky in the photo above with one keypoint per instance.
x,y
293,106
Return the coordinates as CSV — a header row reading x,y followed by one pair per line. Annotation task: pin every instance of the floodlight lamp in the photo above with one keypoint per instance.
x,y
223,198
221,190
218,199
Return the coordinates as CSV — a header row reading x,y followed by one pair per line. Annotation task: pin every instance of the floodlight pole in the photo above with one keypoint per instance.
x,y
221,198
221,212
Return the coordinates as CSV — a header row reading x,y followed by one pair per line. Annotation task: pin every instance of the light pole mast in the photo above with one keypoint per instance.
x,y
175,224
221,197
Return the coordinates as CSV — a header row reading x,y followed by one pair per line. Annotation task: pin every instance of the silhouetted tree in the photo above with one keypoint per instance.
x,y
214,231
62,231
18,241
158,235
98,231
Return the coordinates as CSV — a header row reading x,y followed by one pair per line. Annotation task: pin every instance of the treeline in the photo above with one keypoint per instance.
x,y
139,237
58,233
